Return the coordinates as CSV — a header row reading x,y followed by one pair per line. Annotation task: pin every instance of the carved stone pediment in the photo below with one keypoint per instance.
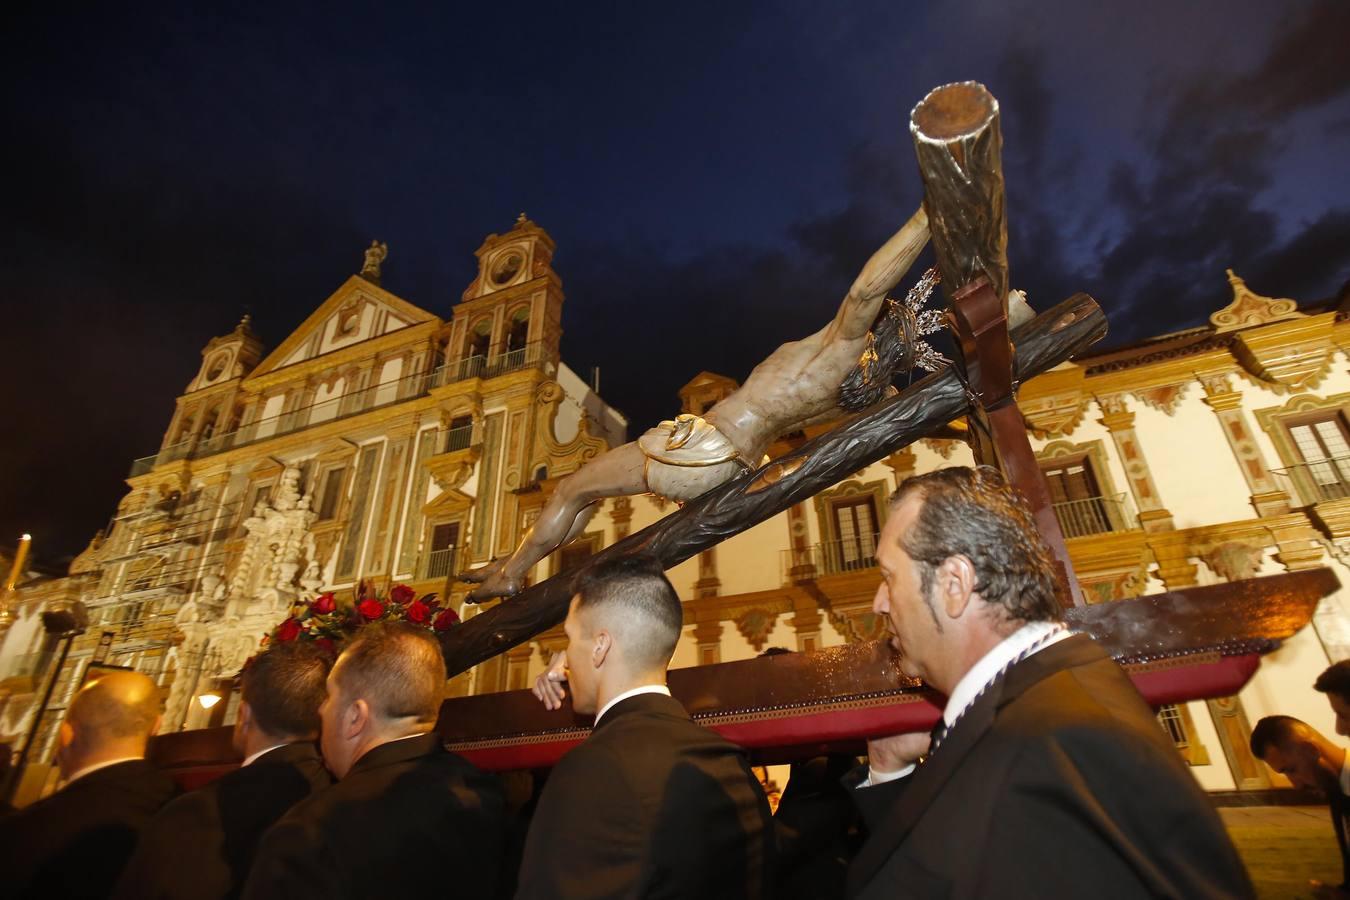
x,y
1288,355
1053,403
1165,398
1250,309
451,470
755,626
1233,560
448,502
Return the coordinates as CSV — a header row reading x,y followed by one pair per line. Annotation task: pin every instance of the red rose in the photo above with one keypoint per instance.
x,y
323,604
446,620
402,594
418,612
370,610
288,630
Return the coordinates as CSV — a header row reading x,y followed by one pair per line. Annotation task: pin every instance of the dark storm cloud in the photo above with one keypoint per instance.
x,y
1193,207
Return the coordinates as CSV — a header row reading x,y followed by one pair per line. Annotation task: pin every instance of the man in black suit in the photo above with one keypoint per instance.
x,y
1048,775
201,845
406,818
76,842
1302,754
651,804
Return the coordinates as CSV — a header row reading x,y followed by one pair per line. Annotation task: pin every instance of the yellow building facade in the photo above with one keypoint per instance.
x,y
380,442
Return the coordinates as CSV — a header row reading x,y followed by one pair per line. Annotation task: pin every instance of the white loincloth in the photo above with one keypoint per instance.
x,y
688,457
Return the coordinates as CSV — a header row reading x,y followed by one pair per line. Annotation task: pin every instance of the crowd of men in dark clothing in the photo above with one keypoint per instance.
x,y
1046,776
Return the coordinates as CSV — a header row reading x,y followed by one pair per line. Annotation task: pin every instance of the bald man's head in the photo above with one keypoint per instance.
x,y
112,716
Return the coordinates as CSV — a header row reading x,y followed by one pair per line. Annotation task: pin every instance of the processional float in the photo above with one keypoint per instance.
x,y
1182,645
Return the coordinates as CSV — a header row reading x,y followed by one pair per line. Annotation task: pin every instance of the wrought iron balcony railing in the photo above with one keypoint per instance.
x,y
829,558
440,563
350,404
1094,515
1320,480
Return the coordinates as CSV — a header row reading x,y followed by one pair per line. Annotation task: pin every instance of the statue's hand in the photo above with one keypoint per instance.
x,y
548,687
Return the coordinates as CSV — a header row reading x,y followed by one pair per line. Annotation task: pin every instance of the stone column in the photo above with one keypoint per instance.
x,y
708,584
518,667
1153,516
621,514
802,566
901,463
1267,497
708,636
805,621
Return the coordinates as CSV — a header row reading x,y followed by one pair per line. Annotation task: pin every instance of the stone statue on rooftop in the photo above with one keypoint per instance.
x,y
375,256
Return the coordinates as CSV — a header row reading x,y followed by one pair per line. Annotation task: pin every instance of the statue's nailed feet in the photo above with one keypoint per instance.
x,y
492,581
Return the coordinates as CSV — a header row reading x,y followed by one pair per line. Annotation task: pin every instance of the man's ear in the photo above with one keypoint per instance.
x,y
955,580
243,717
355,718
603,642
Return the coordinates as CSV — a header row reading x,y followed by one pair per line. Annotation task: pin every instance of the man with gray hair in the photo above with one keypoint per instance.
x,y
1047,775
403,807
651,804
201,845
76,842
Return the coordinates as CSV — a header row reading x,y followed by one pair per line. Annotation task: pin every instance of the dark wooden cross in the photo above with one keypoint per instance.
x,y
799,704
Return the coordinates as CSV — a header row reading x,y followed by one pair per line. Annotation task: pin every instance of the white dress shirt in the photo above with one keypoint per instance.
x,y
252,756
643,689
980,674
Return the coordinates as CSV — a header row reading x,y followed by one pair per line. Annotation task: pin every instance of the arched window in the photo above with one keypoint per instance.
x,y
519,330
209,426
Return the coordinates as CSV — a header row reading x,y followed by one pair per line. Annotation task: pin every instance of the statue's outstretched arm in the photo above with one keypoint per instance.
x,y
882,272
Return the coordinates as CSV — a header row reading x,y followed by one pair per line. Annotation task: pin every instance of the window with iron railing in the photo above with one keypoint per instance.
x,y
1324,445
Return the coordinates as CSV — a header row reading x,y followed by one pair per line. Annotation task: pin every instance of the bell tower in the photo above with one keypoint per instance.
x,y
228,357
208,408
512,310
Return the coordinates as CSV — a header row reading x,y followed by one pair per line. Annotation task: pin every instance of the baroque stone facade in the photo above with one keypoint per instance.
x,y
381,442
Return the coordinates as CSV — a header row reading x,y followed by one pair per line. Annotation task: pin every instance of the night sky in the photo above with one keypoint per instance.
x,y
714,176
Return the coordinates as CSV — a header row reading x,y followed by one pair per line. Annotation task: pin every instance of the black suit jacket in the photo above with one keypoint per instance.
x,y
650,805
1340,808
202,844
76,842
411,819
1057,782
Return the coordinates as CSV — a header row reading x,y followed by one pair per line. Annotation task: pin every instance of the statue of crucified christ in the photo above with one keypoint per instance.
x,y
797,385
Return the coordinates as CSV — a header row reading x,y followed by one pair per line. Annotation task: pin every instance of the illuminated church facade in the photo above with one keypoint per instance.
x,y
380,442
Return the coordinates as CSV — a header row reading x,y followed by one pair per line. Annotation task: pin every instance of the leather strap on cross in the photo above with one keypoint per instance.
x,y
998,435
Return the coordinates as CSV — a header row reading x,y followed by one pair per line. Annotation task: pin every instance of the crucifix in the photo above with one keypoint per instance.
x,y
1174,645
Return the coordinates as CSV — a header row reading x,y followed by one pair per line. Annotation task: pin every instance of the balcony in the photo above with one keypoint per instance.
x,y
1320,481
489,367
829,558
1094,515
440,563
346,406
457,439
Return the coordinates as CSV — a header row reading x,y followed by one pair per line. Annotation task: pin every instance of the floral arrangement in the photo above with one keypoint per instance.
x,y
326,623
